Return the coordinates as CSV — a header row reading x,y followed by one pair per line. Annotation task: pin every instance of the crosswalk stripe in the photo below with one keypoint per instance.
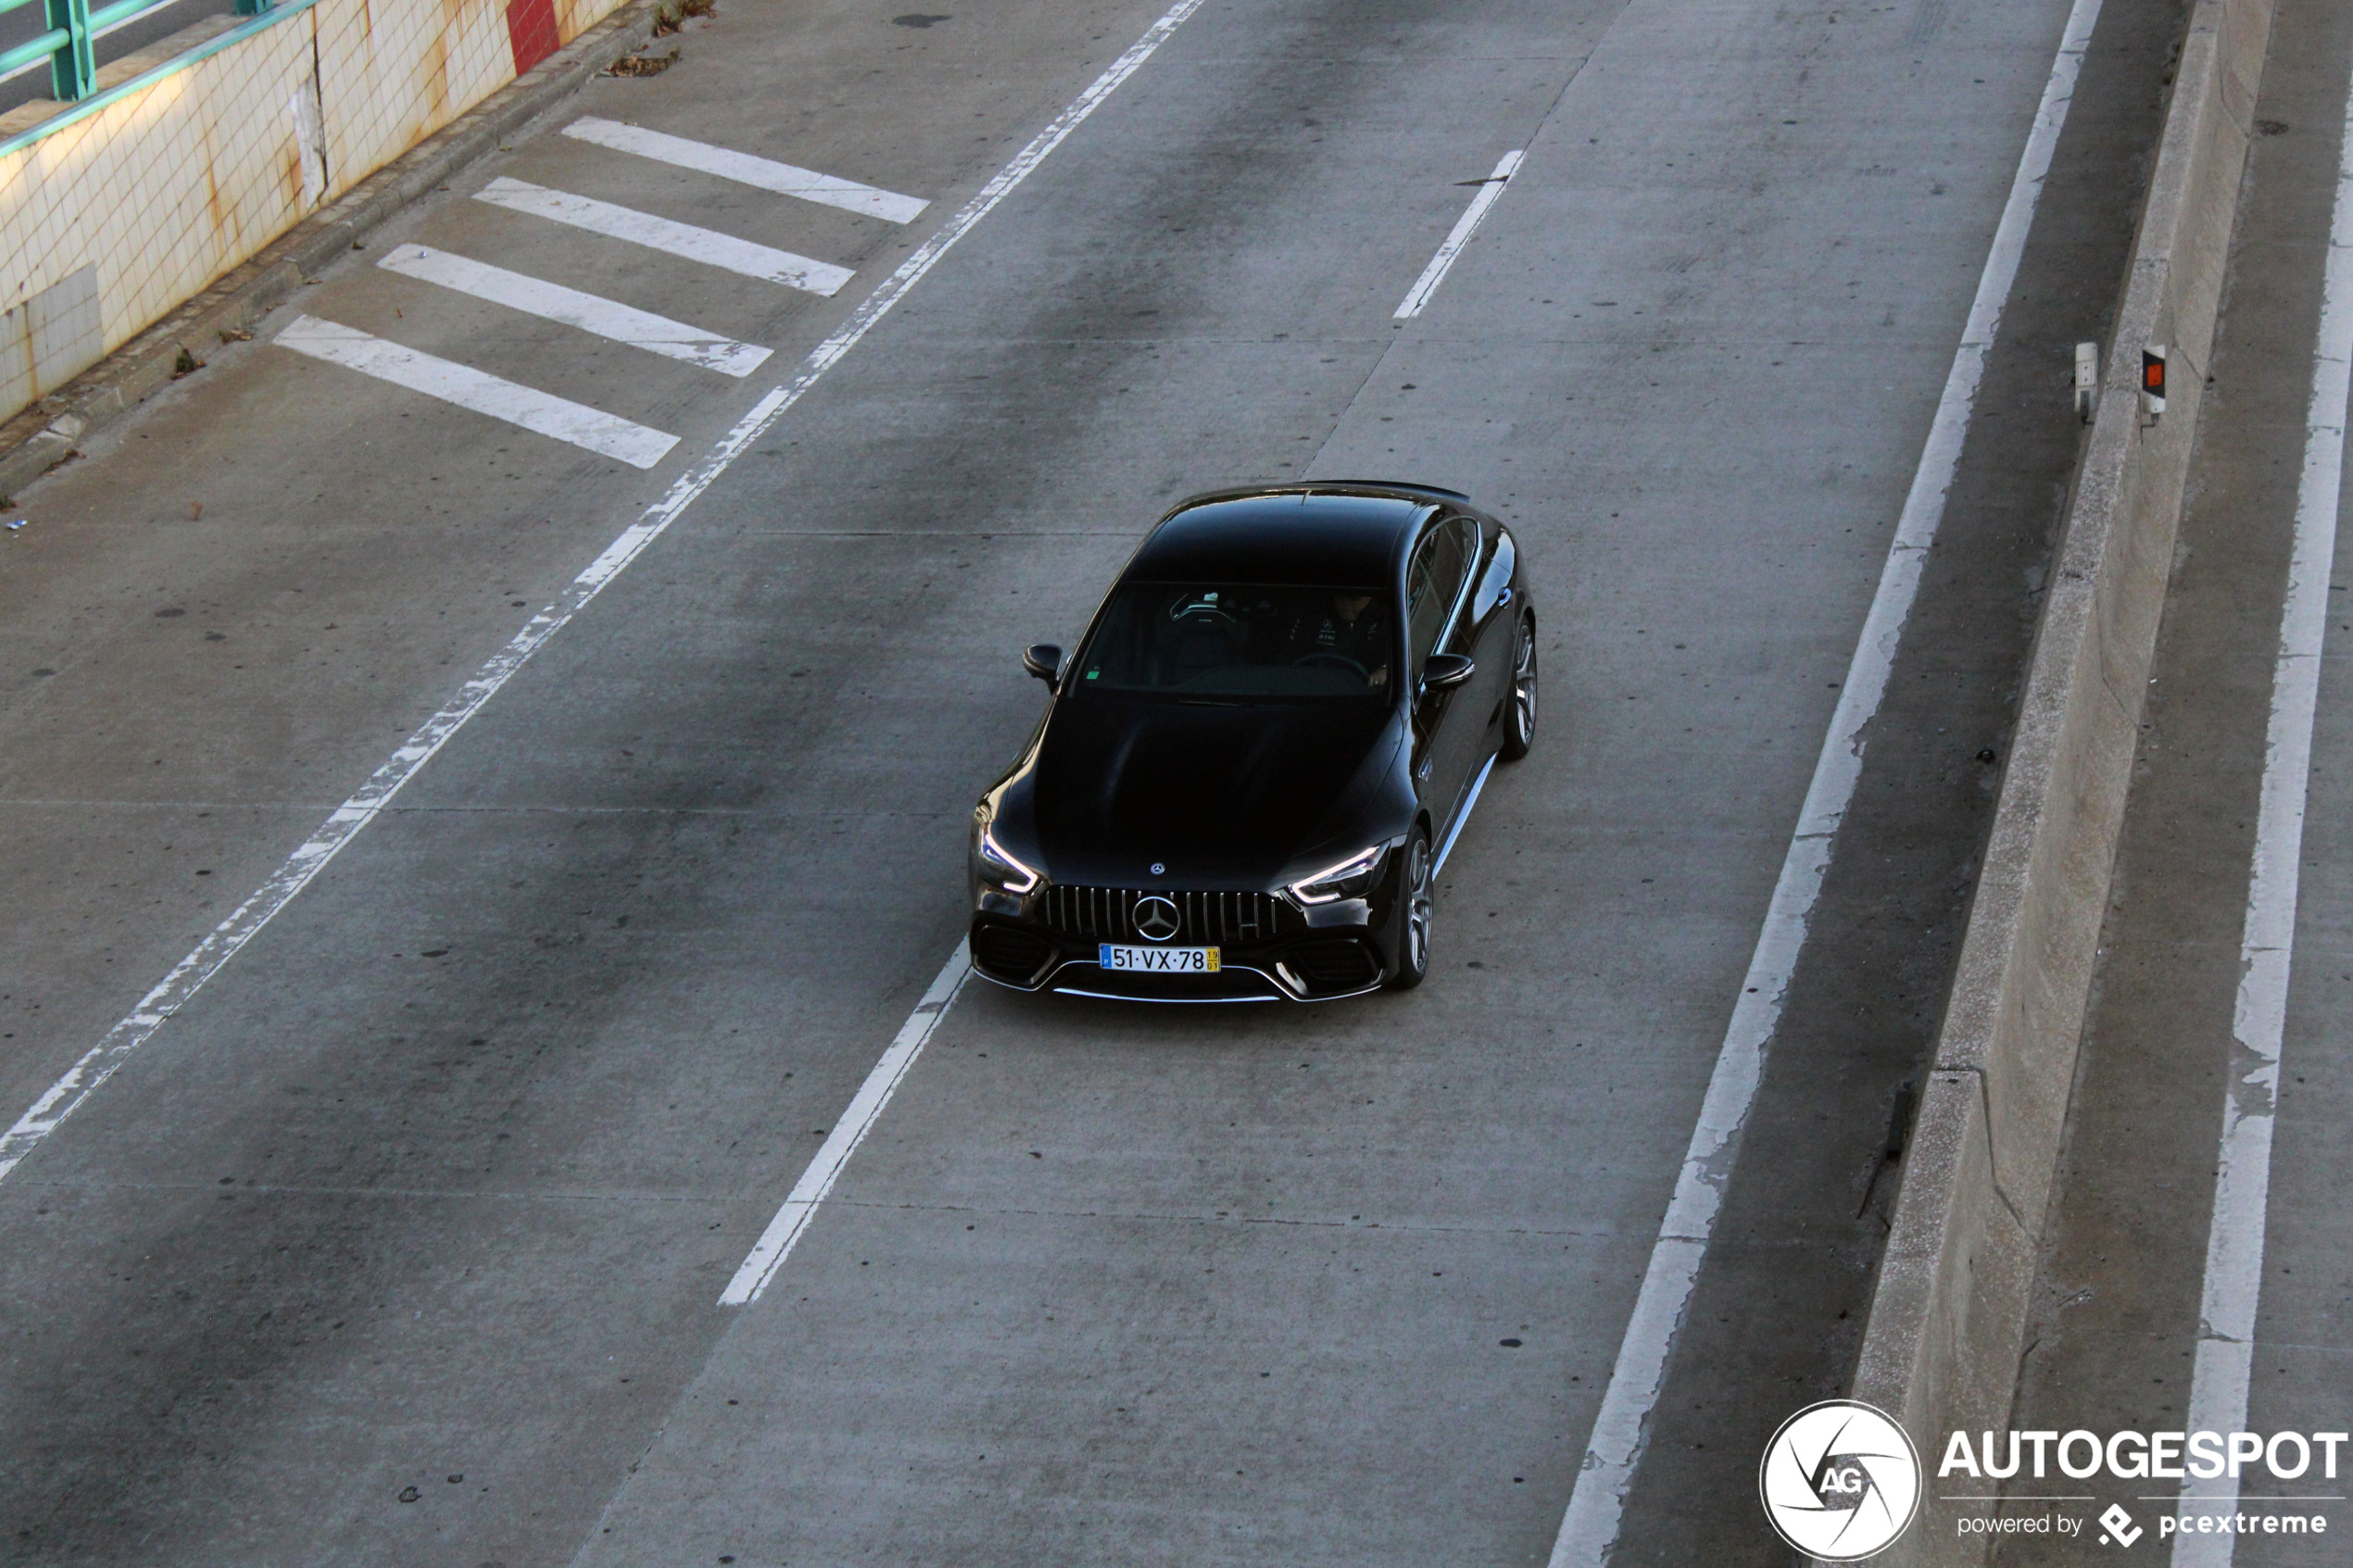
x,y
484,393
590,313
663,233
785,179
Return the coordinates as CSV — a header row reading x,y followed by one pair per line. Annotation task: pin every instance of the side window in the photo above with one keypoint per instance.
x,y
1432,584
1464,630
1495,579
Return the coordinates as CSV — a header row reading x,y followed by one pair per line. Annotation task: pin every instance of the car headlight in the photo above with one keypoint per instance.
x,y
1353,878
999,867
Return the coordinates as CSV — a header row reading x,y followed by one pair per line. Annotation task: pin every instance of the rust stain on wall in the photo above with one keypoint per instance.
x,y
212,189
437,85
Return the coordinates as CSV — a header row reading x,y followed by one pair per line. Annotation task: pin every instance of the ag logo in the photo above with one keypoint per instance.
x,y
1840,1481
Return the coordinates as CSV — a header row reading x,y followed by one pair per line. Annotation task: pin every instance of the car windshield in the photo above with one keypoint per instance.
x,y
1239,642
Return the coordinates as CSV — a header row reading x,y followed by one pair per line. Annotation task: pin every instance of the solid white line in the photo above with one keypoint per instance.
x,y
590,313
776,1243
478,390
72,1090
1472,215
2234,1237
706,246
785,179
1589,1530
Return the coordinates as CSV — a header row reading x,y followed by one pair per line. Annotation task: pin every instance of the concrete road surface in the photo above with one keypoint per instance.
x,y
403,1240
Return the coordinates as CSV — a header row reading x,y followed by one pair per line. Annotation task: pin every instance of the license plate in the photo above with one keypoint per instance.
x,y
1159,961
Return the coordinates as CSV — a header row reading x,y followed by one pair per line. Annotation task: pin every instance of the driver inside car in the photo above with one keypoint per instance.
x,y
1351,627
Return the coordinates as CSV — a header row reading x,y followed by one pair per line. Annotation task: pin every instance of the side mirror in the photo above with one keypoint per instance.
x,y
1444,670
1043,660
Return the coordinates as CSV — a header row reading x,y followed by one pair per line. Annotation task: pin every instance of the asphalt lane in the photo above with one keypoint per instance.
x,y
444,1175
1779,1309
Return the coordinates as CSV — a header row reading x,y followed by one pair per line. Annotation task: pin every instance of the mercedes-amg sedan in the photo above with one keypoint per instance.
x,y
1248,774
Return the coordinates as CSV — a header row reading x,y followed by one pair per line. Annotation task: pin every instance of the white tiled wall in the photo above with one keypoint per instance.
x,y
151,199
50,338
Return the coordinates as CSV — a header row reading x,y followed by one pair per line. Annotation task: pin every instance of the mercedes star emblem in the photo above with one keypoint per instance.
x,y
1158,868
1156,919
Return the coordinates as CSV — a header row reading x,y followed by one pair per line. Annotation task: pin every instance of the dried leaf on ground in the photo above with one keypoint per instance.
x,y
642,65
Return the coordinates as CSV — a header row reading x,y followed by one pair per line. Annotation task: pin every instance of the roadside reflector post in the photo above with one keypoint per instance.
x,y
2087,380
2153,380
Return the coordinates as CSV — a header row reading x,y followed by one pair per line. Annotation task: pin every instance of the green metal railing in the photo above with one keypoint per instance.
x,y
71,43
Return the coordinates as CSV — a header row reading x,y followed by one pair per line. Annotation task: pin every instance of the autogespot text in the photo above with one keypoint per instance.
x,y
2135,1456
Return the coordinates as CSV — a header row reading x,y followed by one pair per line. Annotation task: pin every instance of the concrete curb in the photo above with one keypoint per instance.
x,y
1943,1343
45,433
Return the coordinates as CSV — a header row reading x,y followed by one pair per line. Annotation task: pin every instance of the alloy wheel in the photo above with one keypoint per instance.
x,y
1522,735
1417,879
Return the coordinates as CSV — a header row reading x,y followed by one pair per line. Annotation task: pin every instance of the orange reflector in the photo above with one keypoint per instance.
x,y
2153,379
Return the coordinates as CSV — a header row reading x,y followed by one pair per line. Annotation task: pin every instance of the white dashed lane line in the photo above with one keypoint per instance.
x,y
590,313
1440,265
478,390
784,179
706,246
776,1243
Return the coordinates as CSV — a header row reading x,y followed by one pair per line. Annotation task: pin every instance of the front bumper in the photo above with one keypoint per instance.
x,y
1270,948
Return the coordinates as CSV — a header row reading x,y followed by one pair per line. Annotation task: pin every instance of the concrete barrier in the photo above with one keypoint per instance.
x,y
1942,1349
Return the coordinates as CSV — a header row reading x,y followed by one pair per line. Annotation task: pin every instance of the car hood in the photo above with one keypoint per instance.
x,y
1219,795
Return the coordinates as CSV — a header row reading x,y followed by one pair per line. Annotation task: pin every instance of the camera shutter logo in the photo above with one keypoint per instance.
x,y
1840,1481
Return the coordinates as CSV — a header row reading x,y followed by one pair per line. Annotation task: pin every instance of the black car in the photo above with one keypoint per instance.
x,y
1245,781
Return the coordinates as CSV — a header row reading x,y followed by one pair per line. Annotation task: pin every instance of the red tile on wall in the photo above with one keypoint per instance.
x,y
531,28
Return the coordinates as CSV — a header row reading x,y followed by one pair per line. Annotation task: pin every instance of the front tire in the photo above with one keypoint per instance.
x,y
1520,716
1416,877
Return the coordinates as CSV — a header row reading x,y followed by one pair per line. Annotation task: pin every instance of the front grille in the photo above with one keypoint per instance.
x,y
1010,953
1338,963
1108,914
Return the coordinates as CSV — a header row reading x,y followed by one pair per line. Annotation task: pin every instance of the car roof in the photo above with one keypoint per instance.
x,y
1323,533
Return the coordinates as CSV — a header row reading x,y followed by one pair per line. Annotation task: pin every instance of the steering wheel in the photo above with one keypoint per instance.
x,y
1324,655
